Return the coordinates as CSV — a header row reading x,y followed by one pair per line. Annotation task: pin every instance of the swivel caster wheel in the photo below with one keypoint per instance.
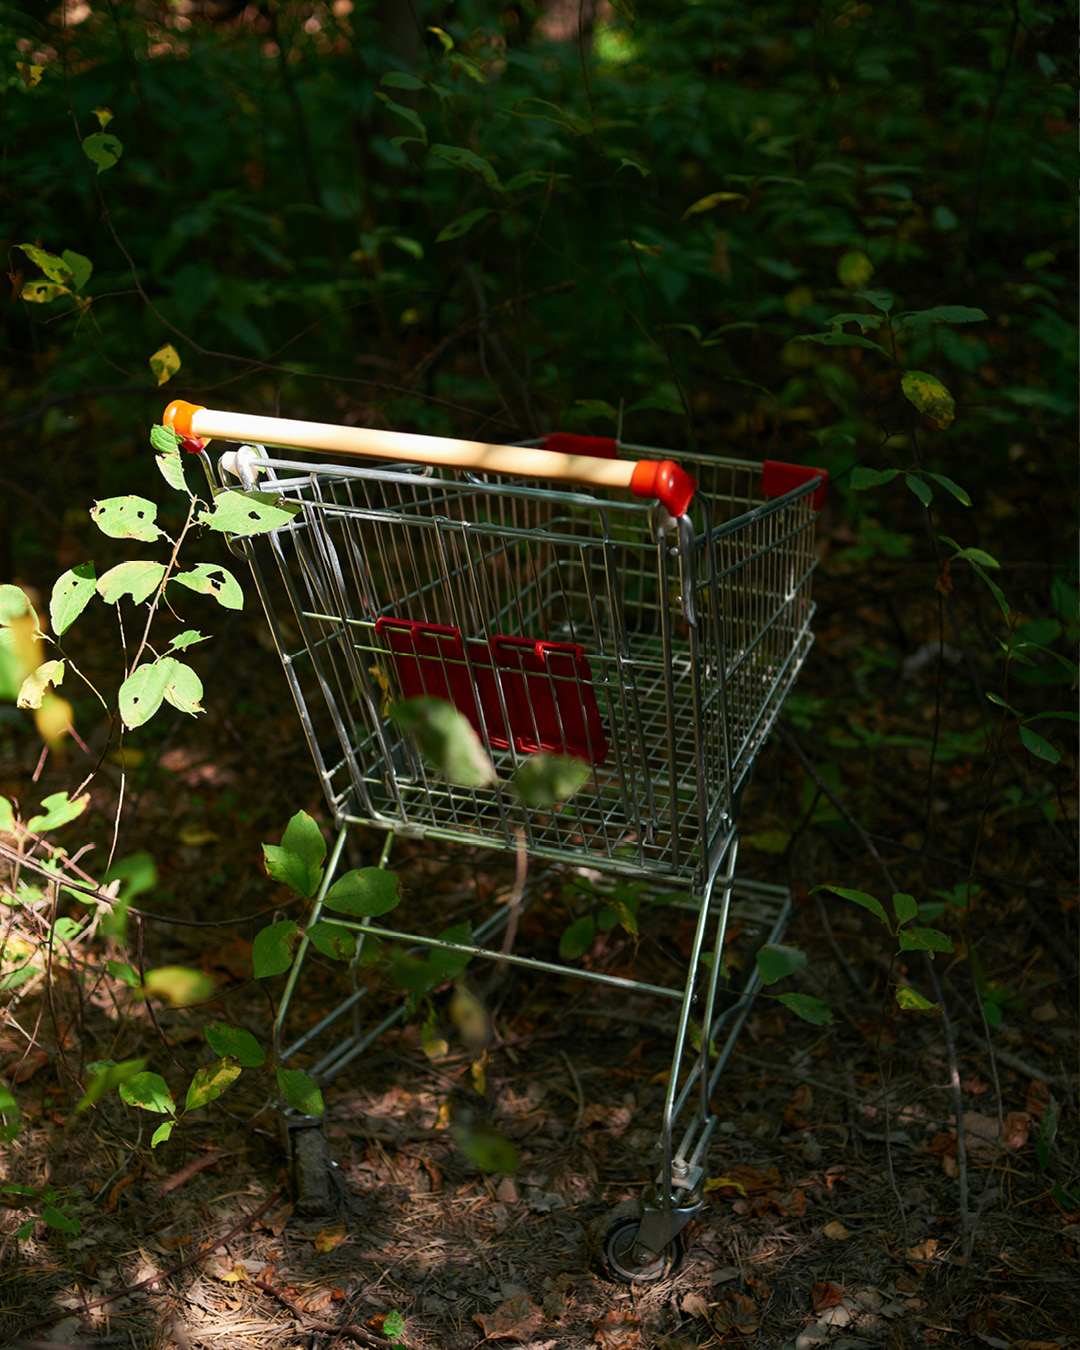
x,y
626,1260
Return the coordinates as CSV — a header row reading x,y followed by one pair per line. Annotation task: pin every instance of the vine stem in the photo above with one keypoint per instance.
x,y
170,566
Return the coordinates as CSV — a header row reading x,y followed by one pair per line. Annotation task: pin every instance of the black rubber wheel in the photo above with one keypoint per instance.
x,y
312,1188
621,1264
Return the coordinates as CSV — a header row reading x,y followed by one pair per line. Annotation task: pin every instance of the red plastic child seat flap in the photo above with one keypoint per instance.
x,y
777,478
568,443
550,698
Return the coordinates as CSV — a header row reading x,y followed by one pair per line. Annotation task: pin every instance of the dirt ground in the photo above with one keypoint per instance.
x,y
836,1180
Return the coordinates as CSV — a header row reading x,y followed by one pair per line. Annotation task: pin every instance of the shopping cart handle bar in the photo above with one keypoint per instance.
x,y
659,479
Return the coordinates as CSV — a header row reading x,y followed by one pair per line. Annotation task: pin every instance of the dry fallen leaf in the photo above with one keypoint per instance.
x,y
515,1319
694,1305
736,1312
835,1231
232,1274
329,1238
924,1251
620,1330
825,1295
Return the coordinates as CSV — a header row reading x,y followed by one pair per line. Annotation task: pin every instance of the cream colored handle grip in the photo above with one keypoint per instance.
x,y
647,478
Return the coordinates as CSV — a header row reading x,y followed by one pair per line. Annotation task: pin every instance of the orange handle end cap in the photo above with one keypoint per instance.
x,y
661,478
178,415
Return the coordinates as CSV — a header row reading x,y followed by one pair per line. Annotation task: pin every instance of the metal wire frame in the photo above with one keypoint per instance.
x,y
693,632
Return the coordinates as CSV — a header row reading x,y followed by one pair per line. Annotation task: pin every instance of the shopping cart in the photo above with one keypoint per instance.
x,y
565,598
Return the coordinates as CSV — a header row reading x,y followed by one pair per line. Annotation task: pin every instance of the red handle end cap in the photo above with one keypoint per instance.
x,y
661,478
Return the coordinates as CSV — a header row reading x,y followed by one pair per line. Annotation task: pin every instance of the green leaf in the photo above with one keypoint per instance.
x,y
14,603
124,972
768,841
300,1091
149,1092
923,491
164,440
910,1000
187,638
863,479
58,809
56,1218
332,940
400,79
104,1076
248,513
209,1082
364,893
923,318
168,459
143,692
543,780
393,1325
577,938
776,962
71,593
7,816
810,1009
1039,746
183,688
81,268
713,200
462,225
924,940
103,149
905,907
446,740
10,1115
487,1149
406,114
234,1043
931,398
139,579
56,269
836,338
34,688
950,486
444,37
461,158
271,951
180,986
162,1133
211,579
854,269
126,518
297,861
861,898
866,322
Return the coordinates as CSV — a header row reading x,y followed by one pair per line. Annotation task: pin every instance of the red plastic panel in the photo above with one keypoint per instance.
x,y
778,478
546,686
567,443
550,699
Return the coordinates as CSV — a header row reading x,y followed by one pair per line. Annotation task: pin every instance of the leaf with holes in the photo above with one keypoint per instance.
x,y
297,861
545,780
71,593
209,1082
183,688
776,962
143,693
861,899
103,149
187,638
272,949
234,1043
149,1092
164,363
338,943
170,464
300,1091
126,518
365,893
211,579
926,393
139,579
34,688
179,986
248,513
810,1009
42,292
446,740
58,809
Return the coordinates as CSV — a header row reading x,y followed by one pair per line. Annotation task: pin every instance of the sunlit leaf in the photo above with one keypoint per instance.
x,y
183,688
142,693
126,518
297,861
34,687
248,513
181,986
71,593
15,604
150,1092
212,579
162,1133
187,638
58,809
364,893
139,579
102,149
209,1082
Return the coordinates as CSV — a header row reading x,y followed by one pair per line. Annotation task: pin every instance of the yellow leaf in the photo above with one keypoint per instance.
x,y
127,757
712,200
329,1238
478,1070
165,362
724,1183
104,116
179,985
196,835
442,1120
854,269
232,1274
41,292
53,719
930,396
30,75
835,1231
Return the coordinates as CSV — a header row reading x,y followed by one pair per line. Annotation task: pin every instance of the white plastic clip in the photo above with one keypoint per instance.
x,y
243,463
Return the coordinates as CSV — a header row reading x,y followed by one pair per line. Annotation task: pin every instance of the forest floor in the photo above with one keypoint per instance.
x,y
834,1216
